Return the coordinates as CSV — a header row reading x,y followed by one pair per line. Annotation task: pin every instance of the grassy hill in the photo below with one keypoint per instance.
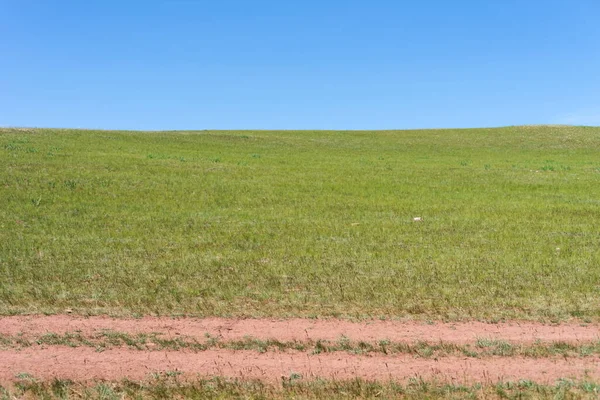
x,y
319,223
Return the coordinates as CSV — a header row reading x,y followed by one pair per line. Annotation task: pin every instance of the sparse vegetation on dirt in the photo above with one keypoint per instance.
x,y
168,386
104,340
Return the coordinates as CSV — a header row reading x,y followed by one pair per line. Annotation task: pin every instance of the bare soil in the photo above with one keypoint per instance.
x,y
308,329
88,364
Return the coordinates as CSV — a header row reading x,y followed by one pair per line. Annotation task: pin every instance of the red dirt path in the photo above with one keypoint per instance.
x,y
85,363
305,329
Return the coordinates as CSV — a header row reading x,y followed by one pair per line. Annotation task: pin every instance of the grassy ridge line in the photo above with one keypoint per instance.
x,y
167,386
302,223
152,342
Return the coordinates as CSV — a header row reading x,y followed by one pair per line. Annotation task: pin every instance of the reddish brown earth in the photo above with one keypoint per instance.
x,y
308,329
86,364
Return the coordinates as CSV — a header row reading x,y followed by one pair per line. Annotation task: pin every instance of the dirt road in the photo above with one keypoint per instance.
x,y
88,349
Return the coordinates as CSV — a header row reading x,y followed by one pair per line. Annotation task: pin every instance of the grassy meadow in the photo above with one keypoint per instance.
x,y
306,223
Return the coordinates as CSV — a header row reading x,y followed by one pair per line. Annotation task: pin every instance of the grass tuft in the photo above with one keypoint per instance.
x,y
170,386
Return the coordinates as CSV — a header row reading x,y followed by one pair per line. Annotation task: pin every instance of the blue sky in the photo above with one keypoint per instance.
x,y
183,64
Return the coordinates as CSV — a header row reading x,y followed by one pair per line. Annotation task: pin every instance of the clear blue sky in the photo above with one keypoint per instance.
x,y
185,64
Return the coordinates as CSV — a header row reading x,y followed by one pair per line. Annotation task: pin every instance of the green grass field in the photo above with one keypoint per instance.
x,y
256,223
